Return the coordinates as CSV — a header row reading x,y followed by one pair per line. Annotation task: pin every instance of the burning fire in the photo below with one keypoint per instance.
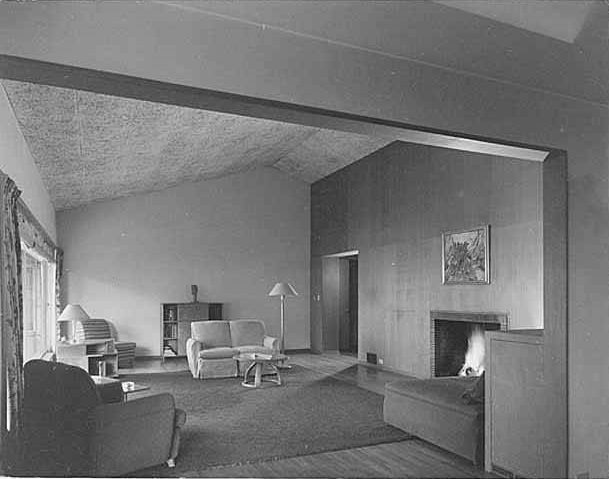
x,y
474,357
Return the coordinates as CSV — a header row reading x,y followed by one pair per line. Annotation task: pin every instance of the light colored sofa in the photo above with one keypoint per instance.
x,y
213,345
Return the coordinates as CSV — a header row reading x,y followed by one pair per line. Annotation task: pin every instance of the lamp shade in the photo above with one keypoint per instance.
x,y
283,289
73,312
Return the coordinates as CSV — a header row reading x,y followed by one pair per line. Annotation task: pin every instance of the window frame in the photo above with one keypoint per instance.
x,y
44,323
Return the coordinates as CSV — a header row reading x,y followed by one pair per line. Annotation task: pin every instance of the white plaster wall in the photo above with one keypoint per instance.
x,y
17,162
234,237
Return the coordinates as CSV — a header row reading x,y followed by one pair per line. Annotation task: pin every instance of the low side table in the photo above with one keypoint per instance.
x,y
109,389
130,388
253,378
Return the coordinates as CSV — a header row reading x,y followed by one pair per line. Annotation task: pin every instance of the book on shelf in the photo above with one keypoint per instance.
x,y
171,314
168,350
170,330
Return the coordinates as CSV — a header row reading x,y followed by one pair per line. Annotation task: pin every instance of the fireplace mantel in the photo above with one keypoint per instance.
x,y
473,317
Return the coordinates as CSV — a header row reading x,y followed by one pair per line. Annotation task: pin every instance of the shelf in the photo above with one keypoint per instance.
x,y
176,319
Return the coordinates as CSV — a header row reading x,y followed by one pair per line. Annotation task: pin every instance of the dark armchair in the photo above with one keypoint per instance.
x,y
70,431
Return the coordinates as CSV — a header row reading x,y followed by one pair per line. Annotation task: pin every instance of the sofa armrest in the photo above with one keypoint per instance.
x,y
271,343
132,435
193,347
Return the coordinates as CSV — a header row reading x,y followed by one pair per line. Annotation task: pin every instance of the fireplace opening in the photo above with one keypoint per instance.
x,y
457,336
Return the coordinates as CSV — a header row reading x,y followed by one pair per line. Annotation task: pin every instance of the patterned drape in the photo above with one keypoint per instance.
x,y
58,275
33,233
11,301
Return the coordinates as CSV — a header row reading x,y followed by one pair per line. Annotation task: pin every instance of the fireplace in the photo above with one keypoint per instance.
x,y
452,333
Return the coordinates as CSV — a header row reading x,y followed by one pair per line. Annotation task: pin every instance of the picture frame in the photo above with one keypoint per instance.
x,y
466,256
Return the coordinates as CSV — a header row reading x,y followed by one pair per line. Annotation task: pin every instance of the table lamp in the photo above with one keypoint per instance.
x,y
73,313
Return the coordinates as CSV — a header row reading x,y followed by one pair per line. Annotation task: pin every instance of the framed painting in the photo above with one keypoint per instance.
x,y
465,256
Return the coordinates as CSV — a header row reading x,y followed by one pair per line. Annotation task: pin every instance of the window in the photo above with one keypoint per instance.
x,y
38,277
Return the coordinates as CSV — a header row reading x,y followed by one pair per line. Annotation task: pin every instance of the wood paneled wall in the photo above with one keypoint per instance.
x,y
393,207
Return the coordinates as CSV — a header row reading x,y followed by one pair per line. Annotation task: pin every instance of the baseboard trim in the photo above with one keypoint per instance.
x,y
298,351
363,362
156,356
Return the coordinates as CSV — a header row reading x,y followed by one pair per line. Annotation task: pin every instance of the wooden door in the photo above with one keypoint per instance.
x,y
353,304
344,327
348,305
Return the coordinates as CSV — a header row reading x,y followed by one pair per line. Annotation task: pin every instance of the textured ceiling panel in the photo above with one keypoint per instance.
x,y
327,151
90,147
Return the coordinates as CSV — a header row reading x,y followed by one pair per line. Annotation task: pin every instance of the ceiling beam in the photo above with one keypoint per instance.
x,y
64,76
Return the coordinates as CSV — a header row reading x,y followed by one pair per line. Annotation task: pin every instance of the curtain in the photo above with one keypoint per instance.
x,y
11,313
58,275
33,233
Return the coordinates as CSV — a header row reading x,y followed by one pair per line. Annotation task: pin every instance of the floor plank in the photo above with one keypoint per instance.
x,y
414,458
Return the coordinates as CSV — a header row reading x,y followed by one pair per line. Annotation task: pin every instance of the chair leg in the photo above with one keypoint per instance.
x,y
171,463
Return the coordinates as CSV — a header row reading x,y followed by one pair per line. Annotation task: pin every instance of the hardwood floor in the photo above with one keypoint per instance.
x,y
411,458
414,458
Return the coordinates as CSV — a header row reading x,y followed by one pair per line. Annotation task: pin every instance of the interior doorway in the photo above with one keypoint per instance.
x,y
340,302
348,294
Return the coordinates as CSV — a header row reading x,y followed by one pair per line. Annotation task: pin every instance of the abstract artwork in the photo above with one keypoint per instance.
x,y
465,256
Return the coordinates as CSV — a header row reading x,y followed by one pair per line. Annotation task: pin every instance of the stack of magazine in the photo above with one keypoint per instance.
x,y
261,356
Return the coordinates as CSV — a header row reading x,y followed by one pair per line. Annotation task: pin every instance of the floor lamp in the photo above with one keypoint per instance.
x,y
283,290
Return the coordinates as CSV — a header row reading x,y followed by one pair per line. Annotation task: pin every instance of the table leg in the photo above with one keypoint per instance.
x,y
258,377
276,368
247,373
256,369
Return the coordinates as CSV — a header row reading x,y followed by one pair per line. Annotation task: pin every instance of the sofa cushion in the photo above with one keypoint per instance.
x,y
254,349
443,392
211,334
475,393
247,332
218,353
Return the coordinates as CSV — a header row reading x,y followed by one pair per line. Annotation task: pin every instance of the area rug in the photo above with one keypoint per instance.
x,y
228,424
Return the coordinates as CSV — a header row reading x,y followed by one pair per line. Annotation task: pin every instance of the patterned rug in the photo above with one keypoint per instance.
x,y
228,424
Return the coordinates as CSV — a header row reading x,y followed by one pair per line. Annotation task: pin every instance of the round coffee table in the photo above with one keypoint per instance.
x,y
253,378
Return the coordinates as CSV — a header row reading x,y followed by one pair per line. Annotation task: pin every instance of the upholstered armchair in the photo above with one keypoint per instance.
x,y
213,345
69,430
101,329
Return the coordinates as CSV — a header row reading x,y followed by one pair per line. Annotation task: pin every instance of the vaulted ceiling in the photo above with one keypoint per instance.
x,y
92,147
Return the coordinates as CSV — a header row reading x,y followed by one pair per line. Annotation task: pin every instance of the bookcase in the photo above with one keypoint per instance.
x,y
175,324
96,356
